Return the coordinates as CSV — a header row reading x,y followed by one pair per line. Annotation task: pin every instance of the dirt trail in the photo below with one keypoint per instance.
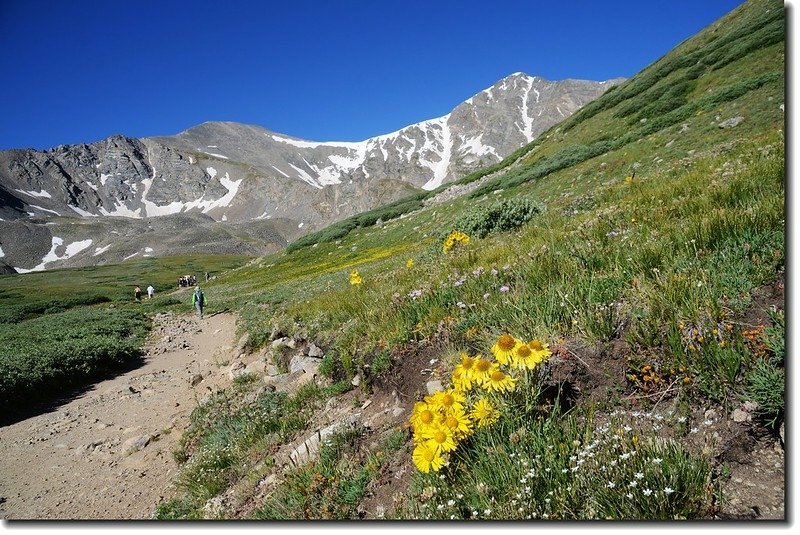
x,y
107,454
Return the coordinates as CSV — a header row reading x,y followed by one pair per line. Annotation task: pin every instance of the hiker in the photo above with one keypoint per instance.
x,y
150,291
137,293
199,301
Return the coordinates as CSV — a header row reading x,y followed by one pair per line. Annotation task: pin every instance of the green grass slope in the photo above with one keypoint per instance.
x,y
635,240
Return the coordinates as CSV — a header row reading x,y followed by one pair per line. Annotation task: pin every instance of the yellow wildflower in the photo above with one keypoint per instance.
x,y
539,351
484,413
483,368
426,457
500,381
455,237
409,262
440,437
504,348
464,373
523,357
446,400
422,416
457,422
355,278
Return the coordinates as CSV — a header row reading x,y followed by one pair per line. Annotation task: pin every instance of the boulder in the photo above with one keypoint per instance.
x,y
308,450
236,369
134,444
307,364
315,352
730,123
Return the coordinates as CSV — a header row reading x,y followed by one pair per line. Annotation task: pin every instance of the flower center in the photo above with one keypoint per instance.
x,y
426,417
497,375
536,345
440,437
506,342
523,351
483,365
447,400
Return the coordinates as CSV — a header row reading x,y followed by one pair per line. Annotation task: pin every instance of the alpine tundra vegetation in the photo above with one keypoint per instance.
x,y
591,328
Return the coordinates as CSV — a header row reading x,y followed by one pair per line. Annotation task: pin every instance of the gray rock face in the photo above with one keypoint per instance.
x,y
225,174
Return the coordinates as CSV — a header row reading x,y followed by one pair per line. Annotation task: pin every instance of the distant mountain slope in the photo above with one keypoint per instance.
x,y
236,173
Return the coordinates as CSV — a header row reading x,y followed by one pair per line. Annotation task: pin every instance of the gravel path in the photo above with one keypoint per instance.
x,y
107,454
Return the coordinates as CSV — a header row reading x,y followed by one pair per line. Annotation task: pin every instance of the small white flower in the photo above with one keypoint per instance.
x,y
611,485
487,511
668,491
451,503
682,420
638,475
629,496
564,470
459,496
633,484
708,422
647,492
614,462
693,430
439,507
628,428
657,460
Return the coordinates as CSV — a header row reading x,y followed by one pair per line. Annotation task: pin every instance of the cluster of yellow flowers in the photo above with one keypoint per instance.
x,y
455,237
441,420
355,278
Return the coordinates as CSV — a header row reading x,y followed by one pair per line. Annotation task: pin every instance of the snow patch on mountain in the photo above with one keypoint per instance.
x,y
438,142
121,210
38,194
71,250
44,209
101,250
214,154
527,120
81,212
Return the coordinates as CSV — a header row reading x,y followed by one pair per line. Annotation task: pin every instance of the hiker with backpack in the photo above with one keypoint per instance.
x,y
199,301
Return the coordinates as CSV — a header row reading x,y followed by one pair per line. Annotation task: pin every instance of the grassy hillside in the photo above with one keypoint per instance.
x,y
628,249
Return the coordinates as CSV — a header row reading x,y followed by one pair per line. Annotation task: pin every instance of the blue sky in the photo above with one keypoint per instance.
x,y
344,70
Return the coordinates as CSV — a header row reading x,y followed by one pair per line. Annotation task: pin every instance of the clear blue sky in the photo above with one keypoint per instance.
x,y
337,70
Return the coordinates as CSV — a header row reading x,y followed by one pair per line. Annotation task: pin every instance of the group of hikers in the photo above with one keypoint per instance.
x,y
190,280
137,292
186,281
198,297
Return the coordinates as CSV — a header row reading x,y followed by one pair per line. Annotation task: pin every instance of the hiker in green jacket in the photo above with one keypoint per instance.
x,y
199,301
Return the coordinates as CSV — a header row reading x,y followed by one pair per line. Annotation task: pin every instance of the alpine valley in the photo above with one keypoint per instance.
x,y
231,188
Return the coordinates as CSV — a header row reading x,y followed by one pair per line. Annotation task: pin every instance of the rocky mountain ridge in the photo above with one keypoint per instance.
x,y
63,206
